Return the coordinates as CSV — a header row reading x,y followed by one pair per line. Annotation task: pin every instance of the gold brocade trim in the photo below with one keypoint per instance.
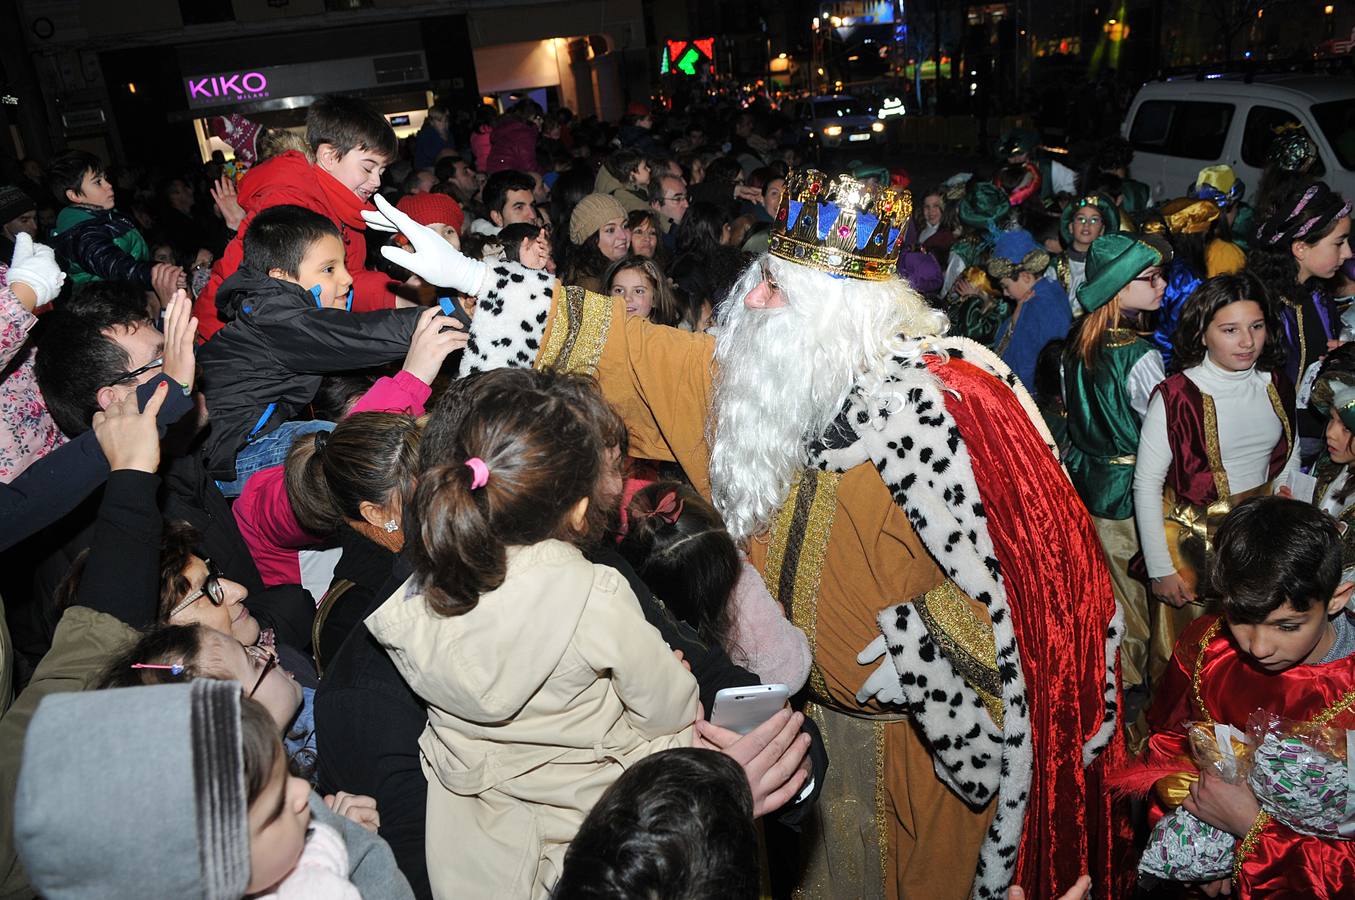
x,y
1120,337
559,332
1278,405
1212,449
1064,270
576,344
881,801
1128,459
1209,634
965,640
1247,845
795,553
1303,338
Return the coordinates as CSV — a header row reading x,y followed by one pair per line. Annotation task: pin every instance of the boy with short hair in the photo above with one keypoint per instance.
x,y
352,144
94,241
289,324
1285,644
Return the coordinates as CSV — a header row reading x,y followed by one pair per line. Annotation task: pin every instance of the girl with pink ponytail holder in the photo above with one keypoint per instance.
x,y
542,678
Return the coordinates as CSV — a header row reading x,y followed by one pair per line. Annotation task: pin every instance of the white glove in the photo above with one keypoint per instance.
x,y
35,265
883,684
434,260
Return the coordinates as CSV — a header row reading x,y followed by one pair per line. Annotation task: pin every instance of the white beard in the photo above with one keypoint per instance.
x,y
784,374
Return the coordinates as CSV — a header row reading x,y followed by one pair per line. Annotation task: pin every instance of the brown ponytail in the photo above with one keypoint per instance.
x,y
369,457
543,452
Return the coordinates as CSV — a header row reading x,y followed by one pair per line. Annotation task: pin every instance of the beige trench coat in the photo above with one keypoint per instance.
x,y
538,699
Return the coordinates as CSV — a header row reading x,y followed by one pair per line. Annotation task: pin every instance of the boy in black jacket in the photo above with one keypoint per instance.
x,y
94,240
288,325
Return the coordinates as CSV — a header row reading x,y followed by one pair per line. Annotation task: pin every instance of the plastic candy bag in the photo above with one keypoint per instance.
x,y
1304,775
1181,846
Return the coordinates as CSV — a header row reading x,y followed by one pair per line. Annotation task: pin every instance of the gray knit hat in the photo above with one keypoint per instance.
x,y
14,203
591,214
122,789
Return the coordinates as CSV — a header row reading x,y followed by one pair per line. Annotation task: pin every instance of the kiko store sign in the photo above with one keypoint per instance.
x,y
255,85
227,87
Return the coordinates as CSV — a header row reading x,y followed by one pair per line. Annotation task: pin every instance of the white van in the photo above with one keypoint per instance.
x,y
1183,124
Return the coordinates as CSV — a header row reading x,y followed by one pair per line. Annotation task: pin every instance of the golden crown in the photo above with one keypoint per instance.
x,y
841,226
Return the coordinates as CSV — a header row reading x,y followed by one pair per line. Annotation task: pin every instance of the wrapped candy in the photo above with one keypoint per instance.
x,y
1304,775
1181,846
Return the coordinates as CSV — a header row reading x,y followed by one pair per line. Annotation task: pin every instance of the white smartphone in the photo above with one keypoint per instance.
x,y
742,709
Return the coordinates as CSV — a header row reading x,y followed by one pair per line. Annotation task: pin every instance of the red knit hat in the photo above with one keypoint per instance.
x,y
429,208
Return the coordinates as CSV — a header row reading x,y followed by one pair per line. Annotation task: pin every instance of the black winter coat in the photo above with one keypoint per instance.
x,y
274,350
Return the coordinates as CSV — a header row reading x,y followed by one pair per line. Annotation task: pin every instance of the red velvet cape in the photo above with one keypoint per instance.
x,y
1058,588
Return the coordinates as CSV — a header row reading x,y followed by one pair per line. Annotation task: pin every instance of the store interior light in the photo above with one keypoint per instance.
x,y
780,56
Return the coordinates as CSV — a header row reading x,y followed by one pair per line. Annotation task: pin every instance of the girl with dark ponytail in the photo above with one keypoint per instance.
x,y
542,679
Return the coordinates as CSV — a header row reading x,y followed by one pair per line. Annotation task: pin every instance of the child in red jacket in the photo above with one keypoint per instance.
x,y
352,144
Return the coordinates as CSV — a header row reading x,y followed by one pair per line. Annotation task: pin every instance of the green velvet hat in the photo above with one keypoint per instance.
x,y
982,205
1113,261
1110,216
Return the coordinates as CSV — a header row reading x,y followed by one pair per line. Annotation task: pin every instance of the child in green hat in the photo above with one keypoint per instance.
x,y
1109,373
1085,220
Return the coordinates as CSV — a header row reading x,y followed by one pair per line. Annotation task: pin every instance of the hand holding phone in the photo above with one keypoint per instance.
x,y
743,709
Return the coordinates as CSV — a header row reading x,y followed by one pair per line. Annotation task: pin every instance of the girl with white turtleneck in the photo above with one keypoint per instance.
x,y
1217,431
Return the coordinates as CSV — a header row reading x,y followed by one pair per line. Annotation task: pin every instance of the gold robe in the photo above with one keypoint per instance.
x,y
885,827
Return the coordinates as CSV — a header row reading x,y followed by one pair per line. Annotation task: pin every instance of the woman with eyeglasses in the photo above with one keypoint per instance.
x,y
1109,373
1219,430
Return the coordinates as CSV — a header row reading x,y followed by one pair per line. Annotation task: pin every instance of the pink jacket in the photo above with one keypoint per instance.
x,y
760,639
263,512
28,432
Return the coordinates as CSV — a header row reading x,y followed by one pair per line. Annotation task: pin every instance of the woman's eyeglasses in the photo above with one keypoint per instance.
x,y
1153,278
211,589
135,373
269,665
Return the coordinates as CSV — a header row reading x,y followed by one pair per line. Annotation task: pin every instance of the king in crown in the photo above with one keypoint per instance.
x,y
906,506
842,227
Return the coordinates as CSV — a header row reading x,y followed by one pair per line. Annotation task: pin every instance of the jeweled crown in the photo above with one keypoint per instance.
x,y
841,226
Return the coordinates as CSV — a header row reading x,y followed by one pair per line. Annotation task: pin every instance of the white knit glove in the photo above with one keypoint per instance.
x,y
35,265
434,260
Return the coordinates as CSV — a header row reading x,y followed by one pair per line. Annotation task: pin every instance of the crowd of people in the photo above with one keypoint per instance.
x,y
397,518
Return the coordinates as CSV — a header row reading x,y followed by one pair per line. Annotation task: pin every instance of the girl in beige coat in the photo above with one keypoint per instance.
x,y
543,680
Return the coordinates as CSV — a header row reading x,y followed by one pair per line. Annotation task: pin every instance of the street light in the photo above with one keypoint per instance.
x,y
780,56
1328,9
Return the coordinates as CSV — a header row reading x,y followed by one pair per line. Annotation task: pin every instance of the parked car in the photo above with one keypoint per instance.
x,y
1180,125
830,122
